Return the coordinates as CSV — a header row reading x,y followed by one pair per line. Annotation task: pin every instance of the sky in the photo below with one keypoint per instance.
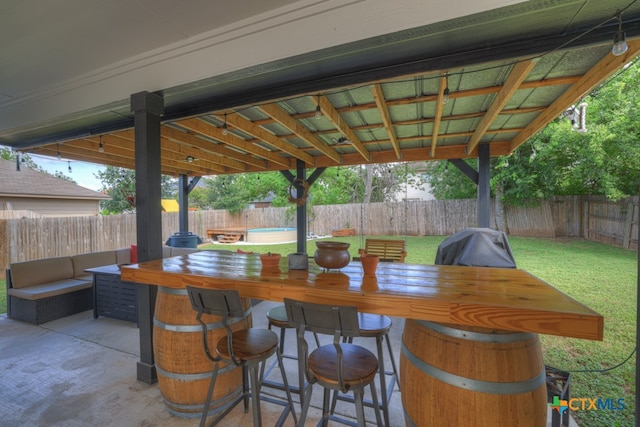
x,y
81,172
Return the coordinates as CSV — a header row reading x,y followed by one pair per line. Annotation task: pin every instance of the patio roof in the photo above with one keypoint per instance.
x,y
508,72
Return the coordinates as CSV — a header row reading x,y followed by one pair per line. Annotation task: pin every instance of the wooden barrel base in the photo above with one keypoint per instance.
x,y
465,376
184,371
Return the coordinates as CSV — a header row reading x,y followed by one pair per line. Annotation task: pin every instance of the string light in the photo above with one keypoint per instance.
x,y
620,45
318,113
100,146
69,162
225,132
58,155
445,94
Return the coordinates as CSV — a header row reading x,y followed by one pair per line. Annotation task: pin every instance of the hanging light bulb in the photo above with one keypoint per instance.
x,y
100,146
445,94
620,45
318,113
225,132
69,162
58,155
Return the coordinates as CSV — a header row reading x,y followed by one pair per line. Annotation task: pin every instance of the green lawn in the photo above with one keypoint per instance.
x,y
600,276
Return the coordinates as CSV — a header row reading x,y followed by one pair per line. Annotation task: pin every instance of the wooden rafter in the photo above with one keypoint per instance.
x,y
383,109
203,128
248,127
175,149
598,73
332,114
438,115
282,117
518,74
191,145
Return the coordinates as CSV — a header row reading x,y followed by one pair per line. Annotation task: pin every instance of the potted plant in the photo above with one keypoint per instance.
x,y
270,260
369,263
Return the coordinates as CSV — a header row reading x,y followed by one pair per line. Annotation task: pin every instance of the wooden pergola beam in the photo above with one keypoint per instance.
x,y
208,130
248,127
383,109
332,114
599,72
519,72
438,115
282,117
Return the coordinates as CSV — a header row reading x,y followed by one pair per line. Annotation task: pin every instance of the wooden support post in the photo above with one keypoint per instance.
x,y
484,187
148,109
301,211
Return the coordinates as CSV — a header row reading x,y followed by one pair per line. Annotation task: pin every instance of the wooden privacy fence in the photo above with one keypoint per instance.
x,y
24,237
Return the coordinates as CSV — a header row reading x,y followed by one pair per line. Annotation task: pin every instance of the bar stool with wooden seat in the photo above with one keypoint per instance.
x,y
277,317
339,366
377,326
245,348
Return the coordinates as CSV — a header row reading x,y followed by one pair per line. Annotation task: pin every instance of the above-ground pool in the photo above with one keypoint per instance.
x,y
271,235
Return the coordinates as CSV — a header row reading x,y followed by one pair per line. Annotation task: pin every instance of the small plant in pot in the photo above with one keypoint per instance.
x,y
369,263
270,260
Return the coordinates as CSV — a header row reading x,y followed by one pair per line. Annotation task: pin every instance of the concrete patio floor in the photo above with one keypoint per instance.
x,y
81,371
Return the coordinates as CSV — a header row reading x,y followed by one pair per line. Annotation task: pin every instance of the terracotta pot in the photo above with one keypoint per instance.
x,y
369,263
270,260
369,283
332,255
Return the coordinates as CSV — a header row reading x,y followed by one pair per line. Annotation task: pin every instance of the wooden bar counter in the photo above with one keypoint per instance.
x,y
507,305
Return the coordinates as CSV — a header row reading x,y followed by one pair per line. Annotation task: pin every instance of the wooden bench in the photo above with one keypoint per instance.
x,y
387,250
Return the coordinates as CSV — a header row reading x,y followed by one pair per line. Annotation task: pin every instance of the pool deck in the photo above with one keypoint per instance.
x,y
227,234
254,235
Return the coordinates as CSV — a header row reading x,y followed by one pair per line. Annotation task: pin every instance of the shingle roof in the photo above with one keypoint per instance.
x,y
28,182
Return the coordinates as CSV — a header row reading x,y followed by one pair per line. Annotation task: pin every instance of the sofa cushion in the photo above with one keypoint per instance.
x,y
30,273
166,252
50,289
124,256
94,259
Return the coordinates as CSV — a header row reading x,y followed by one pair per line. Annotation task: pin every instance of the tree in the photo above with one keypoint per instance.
x,y
120,184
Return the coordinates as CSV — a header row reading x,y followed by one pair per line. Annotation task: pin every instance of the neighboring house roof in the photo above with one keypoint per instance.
x,y
30,183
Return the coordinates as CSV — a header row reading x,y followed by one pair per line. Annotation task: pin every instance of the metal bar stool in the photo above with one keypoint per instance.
x,y
245,348
277,317
339,366
376,326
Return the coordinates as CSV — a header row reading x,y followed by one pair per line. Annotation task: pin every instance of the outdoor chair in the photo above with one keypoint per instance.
x,y
376,326
387,250
340,366
245,348
277,317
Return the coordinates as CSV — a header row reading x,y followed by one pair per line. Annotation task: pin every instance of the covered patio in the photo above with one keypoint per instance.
x,y
301,86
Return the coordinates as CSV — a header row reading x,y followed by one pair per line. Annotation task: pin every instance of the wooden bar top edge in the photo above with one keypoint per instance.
x,y
543,309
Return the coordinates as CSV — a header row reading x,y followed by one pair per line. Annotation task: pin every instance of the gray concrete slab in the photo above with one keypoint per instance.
x,y
81,371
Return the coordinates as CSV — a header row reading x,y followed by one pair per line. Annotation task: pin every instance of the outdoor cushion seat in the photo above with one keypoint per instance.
x,y
46,290
40,271
90,260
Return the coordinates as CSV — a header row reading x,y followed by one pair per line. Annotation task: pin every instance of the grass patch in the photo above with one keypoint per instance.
x,y
599,276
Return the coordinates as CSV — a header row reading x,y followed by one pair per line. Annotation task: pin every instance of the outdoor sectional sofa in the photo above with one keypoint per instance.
x,y
43,290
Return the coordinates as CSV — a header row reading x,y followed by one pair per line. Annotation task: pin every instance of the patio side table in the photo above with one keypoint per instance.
x,y
112,297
